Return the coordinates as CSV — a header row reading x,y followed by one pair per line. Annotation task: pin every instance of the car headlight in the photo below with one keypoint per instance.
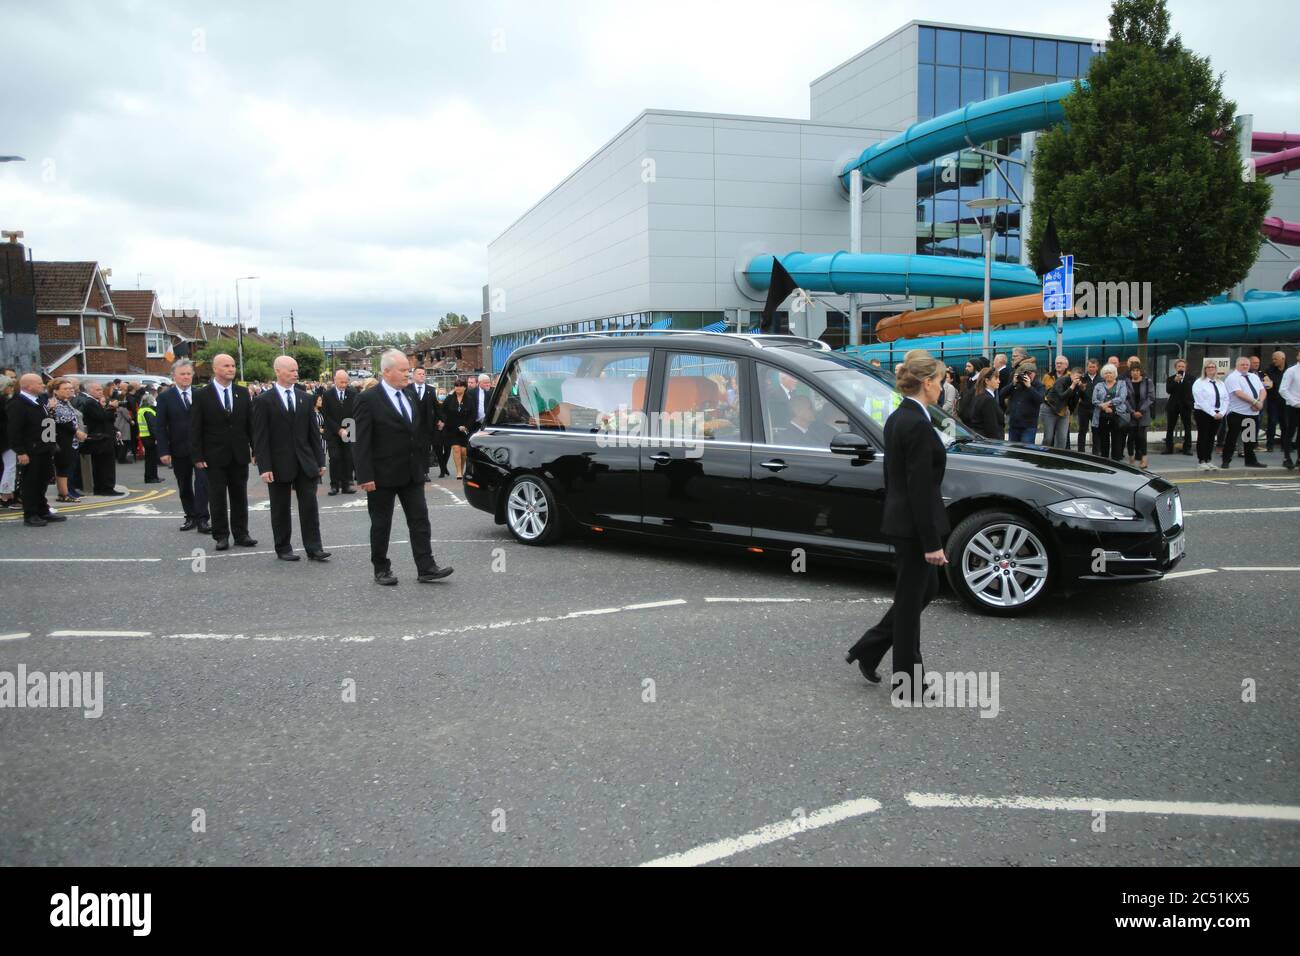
x,y
1094,509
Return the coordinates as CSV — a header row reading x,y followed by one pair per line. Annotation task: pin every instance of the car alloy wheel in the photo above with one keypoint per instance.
x,y
528,510
1000,563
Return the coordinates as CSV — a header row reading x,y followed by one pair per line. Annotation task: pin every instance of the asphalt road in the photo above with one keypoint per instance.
x,y
494,722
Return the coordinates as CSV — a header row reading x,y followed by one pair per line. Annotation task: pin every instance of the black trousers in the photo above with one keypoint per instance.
x,y
1108,439
193,485
103,466
1085,426
150,458
916,582
1276,417
1207,426
1137,440
280,493
1175,416
1290,432
380,505
340,461
228,482
442,451
33,479
1236,423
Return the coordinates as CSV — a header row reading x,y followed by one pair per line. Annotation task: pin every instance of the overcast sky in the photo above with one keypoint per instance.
x,y
359,157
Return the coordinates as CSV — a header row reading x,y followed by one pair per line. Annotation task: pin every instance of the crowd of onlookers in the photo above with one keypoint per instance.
x,y
1114,403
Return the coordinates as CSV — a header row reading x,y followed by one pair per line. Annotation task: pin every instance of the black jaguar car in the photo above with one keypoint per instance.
x,y
774,443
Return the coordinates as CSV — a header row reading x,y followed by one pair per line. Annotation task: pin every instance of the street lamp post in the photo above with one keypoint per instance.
x,y
986,230
239,324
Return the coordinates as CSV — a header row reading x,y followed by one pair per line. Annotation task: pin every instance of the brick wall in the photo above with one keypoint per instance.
x,y
101,361
136,349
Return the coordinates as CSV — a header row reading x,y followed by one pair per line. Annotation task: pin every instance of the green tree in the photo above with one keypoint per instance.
x,y
1139,185
258,356
396,340
362,338
452,319
310,360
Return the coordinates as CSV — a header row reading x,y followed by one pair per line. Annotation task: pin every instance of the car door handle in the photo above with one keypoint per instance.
x,y
662,457
776,464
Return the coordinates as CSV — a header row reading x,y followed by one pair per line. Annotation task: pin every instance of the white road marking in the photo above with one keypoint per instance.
x,y
721,849
137,510
15,636
758,600
82,560
1254,811
100,633
542,619
331,547
1189,574
1262,569
1241,511
653,604
454,497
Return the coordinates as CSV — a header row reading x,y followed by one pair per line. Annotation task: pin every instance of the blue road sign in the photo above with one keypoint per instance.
x,y
1058,287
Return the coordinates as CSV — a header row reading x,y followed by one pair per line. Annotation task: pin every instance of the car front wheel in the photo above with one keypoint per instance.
x,y
999,563
531,514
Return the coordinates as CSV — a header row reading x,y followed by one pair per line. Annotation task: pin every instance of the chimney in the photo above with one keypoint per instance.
x,y
15,274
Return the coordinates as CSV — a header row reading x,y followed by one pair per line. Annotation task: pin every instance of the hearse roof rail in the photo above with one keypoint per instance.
x,y
757,341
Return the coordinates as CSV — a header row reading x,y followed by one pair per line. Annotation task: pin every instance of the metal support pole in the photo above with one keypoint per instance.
x,y
986,228
1027,141
239,331
855,245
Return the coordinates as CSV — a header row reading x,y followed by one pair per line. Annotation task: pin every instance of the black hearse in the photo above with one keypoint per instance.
x,y
774,443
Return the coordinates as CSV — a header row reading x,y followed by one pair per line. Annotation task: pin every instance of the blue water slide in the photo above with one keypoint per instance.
x,y
973,124
1263,317
843,272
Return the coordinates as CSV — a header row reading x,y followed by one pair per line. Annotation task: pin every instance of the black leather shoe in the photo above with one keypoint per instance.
x,y
189,525
385,578
873,676
287,556
222,544
349,490
334,491
318,555
1256,464
153,481
246,542
1288,464
35,521
205,527
437,574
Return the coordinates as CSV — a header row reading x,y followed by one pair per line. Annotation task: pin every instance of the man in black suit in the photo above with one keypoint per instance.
x,y
480,401
222,435
337,410
389,459
171,426
31,436
287,449
1178,387
422,395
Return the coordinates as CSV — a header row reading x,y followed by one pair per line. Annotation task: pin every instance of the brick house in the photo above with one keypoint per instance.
x,y
78,327
186,326
458,350
149,340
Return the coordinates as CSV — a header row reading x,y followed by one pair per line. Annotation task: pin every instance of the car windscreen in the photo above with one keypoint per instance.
x,y
876,400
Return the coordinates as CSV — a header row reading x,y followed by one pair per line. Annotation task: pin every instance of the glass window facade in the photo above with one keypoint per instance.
x,y
956,67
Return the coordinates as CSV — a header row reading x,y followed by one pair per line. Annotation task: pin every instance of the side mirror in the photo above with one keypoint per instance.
x,y
847,443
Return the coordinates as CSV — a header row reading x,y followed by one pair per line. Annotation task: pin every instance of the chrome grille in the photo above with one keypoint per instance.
x,y
1168,510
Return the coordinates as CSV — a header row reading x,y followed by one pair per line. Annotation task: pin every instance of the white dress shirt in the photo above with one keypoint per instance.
x,y
286,396
222,392
1290,388
186,399
1238,382
1204,392
403,405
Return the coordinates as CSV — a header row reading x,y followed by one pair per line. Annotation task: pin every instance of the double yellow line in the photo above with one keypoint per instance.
x,y
154,494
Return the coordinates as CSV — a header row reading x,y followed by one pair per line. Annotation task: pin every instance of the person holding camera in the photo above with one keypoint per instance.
x,y
1110,414
1058,405
1023,397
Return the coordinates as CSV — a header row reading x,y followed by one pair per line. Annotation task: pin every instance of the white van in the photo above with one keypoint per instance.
x,y
155,381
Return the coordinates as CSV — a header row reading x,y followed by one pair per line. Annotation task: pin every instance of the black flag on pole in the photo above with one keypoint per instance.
x,y
781,286
1049,249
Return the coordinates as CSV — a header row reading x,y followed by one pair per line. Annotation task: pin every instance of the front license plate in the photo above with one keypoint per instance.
x,y
1177,547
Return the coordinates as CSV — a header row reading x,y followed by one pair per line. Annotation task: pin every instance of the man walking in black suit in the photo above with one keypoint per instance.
x,y
222,437
31,436
287,449
481,401
423,396
337,410
172,429
389,461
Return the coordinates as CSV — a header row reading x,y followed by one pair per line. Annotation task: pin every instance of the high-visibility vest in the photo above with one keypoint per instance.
x,y
142,421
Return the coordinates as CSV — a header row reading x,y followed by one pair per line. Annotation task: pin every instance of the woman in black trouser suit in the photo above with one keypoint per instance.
x,y
914,520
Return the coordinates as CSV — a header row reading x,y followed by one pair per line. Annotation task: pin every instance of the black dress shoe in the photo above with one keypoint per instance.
x,y
349,490
222,544
109,494
385,578
53,517
1256,464
873,676
318,555
246,542
189,525
437,574
153,481
1288,464
334,491
205,527
287,556
35,521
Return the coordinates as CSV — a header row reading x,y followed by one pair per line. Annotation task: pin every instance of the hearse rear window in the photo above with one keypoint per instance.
x,y
575,391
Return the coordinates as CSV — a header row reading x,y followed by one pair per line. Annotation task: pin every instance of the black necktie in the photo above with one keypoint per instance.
x,y
401,403
1251,386
185,400
340,394
225,396
1216,396
288,399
